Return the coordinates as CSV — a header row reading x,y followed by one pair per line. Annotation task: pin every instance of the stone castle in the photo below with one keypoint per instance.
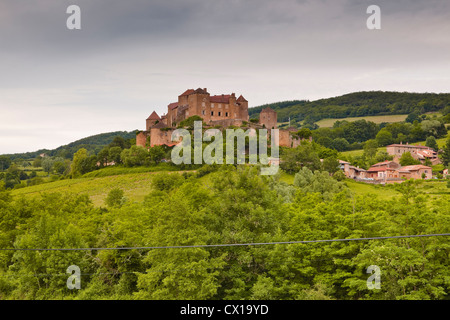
x,y
219,111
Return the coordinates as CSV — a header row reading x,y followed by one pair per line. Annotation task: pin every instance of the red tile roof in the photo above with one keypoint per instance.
x,y
224,98
376,169
415,167
173,105
187,92
386,162
241,98
407,146
153,116
268,109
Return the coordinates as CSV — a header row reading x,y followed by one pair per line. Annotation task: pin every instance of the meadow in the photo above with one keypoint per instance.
x,y
137,183
135,186
353,153
328,123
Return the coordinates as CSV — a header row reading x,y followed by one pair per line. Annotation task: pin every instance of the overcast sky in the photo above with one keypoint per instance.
x,y
132,57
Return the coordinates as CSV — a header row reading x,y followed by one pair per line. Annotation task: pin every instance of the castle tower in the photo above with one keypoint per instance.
x,y
152,120
268,118
243,108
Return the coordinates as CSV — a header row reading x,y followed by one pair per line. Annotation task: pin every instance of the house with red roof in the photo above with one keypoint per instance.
x,y
418,152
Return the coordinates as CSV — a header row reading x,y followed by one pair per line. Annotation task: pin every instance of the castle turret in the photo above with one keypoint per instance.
x,y
152,120
268,118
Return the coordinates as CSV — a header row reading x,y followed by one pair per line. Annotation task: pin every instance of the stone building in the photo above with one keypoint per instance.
x,y
268,118
418,152
211,108
219,110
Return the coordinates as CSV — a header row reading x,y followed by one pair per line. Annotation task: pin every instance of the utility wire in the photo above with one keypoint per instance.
x,y
228,245
151,270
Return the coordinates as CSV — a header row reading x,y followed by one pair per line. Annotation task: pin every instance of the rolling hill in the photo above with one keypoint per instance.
x,y
92,144
358,104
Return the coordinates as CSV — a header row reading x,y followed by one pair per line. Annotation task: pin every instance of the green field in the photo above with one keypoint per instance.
x,y
138,183
440,142
135,186
328,123
434,189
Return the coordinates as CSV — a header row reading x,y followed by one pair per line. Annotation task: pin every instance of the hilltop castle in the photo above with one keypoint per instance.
x,y
216,111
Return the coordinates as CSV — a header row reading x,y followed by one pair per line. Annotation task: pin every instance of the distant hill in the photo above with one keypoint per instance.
x,y
92,144
358,104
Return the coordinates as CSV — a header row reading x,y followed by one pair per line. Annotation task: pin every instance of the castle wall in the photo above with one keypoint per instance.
x,y
268,118
159,137
141,138
226,122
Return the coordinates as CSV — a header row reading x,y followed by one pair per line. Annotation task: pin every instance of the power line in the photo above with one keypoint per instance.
x,y
151,270
228,245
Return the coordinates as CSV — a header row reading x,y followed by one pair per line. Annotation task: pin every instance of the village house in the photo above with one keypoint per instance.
x,y
418,152
386,172
352,172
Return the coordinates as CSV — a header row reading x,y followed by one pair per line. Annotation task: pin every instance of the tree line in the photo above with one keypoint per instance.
x,y
228,205
358,104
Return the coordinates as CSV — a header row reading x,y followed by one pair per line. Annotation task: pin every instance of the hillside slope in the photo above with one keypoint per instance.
x,y
92,143
358,104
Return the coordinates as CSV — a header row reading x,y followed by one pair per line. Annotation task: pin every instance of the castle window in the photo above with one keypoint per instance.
x,y
226,114
203,112
203,104
212,105
212,113
220,105
219,113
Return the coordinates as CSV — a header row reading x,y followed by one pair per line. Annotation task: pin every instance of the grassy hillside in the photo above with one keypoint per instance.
x,y
440,142
135,186
358,104
92,143
328,123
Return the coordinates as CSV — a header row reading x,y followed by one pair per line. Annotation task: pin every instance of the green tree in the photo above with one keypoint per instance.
x,y
407,159
431,142
114,154
47,164
383,156
5,163
331,165
414,116
384,137
370,148
78,162
115,198
103,156
304,133
156,154
135,156
320,182
119,142
37,162
445,156
340,144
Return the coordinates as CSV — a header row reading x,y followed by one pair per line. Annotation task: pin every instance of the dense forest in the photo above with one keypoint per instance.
x,y
231,205
358,104
92,144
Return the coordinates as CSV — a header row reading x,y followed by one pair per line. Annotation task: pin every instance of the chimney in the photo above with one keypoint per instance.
x,y
204,89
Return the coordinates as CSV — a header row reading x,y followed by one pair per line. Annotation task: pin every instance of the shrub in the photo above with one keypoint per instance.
x,y
165,182
115,198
